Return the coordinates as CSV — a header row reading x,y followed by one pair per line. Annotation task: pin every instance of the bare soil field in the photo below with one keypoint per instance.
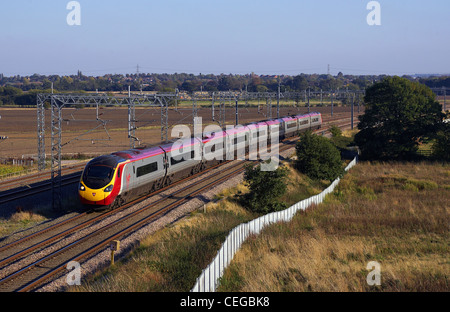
x,y
83,133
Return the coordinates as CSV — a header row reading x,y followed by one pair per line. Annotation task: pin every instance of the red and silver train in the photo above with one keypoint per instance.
x,y
111,180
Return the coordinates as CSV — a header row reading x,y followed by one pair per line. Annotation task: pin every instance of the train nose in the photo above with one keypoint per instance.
x,y
91,195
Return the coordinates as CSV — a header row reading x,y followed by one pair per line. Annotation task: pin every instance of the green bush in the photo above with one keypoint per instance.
x,y
318,158
266,189
441,148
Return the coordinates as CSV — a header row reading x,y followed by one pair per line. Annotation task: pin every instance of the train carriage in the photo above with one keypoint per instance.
x,y
213,148
303,122
236,142
184,158
143,172
257,139
316,120
290,126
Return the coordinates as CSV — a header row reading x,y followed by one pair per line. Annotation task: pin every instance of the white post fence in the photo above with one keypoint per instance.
x,y
209,279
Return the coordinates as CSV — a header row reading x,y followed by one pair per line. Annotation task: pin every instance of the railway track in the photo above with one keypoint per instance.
x,y
33,274
20,273
28,180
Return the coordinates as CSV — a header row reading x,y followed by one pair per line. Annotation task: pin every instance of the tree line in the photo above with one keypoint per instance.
x,y
20,89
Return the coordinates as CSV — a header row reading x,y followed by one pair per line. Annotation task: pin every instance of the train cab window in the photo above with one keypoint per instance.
x,y
97,176
143,170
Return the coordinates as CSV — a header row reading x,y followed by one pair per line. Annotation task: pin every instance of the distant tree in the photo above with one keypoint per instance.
x,y
317,157
399,114
300,83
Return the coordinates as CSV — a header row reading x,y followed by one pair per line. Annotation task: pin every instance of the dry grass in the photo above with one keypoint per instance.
x,y
173,258
395,214
18,221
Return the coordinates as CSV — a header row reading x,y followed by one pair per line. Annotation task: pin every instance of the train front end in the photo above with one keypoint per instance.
x,y
100,182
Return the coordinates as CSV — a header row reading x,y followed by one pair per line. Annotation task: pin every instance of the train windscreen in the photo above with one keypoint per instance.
x,y
98,176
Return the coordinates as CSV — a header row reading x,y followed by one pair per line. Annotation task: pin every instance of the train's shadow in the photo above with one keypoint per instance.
x,y
37,198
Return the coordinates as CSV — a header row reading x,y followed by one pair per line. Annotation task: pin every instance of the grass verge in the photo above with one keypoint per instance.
x,y
394,213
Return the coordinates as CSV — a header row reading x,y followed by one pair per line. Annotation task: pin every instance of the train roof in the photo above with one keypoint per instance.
x,y
140,153
213,135
236,130
289,118
107,160
179,144
307,115
274,121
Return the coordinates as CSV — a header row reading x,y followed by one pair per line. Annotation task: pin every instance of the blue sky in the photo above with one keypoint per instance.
x,y
216,36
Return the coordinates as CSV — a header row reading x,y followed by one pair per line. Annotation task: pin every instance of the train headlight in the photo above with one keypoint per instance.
x,y
109,188
82,188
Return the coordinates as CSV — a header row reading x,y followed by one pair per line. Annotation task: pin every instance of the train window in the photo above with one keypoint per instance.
x,y
304,122
239,140
181,158
141,171
315,119
174,161
292,125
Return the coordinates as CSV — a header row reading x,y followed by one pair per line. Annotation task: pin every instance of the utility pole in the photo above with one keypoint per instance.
x,y
269,107
237,110
176,99
278,99
445,95
194,109
353,102
212,107
309,95
332,95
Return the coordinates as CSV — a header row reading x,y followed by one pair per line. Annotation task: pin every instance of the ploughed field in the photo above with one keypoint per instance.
x,y
83,133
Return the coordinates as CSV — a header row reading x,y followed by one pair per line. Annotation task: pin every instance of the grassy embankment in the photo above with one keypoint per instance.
x,y
394,213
